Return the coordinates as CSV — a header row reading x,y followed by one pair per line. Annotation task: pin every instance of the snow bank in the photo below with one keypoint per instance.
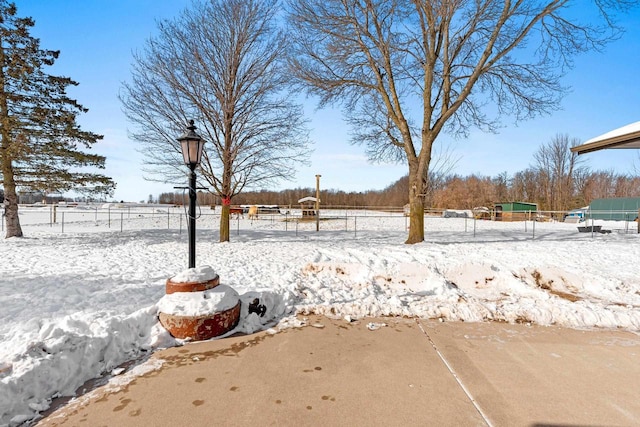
x,y
66,353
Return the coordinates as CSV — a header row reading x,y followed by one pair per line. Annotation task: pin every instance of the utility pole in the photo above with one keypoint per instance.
x,y
318,202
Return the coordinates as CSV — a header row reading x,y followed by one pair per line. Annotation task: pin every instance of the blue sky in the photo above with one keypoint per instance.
x,y
97,37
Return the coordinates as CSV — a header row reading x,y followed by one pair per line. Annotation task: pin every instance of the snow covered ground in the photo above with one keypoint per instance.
x,y
78,304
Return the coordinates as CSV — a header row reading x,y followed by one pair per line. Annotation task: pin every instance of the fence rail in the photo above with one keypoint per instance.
x,y
340,221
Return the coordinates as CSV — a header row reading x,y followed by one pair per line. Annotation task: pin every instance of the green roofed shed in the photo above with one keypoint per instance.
x,y
515,211
615,209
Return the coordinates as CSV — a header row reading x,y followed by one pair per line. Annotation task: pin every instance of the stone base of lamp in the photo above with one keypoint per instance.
x,y
202,327
197,307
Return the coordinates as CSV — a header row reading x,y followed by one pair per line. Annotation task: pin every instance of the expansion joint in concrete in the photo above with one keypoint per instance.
x,y
456,377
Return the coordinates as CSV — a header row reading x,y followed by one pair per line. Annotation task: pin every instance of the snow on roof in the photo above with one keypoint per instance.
x,y
624,137
307,199
633,127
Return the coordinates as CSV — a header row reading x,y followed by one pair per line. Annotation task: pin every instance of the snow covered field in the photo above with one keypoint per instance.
x,y
75,305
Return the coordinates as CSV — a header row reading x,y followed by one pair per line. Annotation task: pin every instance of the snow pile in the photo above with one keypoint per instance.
x,y
66,353
195,275
215,300
473,292
77,306
275,309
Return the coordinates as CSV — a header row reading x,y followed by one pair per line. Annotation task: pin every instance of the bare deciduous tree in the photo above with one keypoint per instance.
x,y
220,63
465,193
600,185
557,167
501,183
406,71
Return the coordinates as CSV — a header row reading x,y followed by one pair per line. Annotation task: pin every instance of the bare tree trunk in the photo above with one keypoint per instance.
x,y
11,213
11,208
224,223
8,182
416,205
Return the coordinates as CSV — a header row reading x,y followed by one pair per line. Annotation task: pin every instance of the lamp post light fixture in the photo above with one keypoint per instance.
x,y
191,144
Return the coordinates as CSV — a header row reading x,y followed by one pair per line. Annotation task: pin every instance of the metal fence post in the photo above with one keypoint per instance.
x,y
180,232
474,226
626,223
355,226
168,219
109,219
534,230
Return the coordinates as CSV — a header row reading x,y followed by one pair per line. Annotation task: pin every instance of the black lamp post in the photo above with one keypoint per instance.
x,y
191,144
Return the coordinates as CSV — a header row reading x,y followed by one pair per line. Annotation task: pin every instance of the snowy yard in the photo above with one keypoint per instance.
x,y
77,304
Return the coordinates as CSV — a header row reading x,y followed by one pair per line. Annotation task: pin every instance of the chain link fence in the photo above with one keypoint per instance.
x,y
338,222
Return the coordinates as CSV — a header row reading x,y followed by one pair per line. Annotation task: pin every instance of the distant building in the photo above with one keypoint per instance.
x,y
576,215
515,211
615,209
308,207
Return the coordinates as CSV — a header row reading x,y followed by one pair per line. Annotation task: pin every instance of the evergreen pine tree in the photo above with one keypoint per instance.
x,y
40,141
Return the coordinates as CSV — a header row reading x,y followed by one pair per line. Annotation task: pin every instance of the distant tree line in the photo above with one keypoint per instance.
x,y
452,192
472,191
557,180
390,196
31,197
